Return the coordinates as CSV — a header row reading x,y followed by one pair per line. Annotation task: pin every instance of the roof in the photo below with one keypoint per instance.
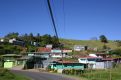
x,y
10,55
43,49
67,62
89,57
24,58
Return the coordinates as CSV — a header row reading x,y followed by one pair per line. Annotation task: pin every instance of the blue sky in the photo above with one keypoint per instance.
x,y
75,19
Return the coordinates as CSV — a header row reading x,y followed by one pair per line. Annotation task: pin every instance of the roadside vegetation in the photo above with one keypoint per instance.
x,y
107,74
7,75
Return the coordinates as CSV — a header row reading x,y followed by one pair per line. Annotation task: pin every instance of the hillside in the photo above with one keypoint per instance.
x,y
91,43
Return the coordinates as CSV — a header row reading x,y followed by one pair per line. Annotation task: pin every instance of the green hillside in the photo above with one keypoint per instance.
x,y
91,43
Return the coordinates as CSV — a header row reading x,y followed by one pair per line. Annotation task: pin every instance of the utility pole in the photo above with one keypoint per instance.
x,y
53,21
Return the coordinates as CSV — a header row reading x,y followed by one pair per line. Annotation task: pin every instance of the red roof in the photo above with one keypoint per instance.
x,y
43,49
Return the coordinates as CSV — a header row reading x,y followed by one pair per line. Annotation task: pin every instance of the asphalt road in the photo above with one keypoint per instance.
x,y
41,75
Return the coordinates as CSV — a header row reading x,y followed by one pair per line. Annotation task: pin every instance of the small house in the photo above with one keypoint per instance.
x,y
67,65
80,48
91,61
10,60
96,62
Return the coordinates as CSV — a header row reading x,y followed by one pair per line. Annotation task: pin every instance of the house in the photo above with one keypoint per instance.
x,y
43,52
103,55
91,61
96,62
67,65
49,46
55,53
10,60
14,41
80,48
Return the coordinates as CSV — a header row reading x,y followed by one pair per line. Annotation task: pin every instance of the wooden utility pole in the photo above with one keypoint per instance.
x,y
53,21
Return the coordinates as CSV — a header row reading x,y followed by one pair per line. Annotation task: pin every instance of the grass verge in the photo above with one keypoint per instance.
x,y
7,75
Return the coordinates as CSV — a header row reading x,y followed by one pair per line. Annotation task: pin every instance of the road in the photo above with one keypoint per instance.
x,y
42,75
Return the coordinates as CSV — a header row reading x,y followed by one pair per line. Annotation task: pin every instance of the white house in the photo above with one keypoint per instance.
x,y
91,61
58,53
96,62
12,40
79,47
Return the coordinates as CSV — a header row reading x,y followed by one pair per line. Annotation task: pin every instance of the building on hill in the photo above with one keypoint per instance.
x,y
80,48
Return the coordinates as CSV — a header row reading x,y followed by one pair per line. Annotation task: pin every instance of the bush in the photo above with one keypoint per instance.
x,y
73,72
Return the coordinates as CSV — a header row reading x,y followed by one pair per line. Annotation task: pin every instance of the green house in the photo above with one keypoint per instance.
x,y
10,60
67,65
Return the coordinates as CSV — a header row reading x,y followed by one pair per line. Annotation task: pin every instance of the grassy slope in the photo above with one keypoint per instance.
x,y
90,43
7,75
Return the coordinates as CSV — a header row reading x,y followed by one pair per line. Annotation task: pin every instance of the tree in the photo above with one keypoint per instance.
x,y
103,39
38,37
12,35
55,42
46,39
116,52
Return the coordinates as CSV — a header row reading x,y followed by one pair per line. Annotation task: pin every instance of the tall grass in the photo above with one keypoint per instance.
x,y
91,43
109,74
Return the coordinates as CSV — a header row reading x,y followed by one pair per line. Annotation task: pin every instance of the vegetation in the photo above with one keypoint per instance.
x,y
118,43
116,52
68,43
26,41
108,74
7,75
103,39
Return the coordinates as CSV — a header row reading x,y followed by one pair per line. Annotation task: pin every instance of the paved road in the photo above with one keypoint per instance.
x,y
42,75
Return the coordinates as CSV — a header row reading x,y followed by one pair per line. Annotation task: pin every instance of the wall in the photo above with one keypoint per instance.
x,y
68,66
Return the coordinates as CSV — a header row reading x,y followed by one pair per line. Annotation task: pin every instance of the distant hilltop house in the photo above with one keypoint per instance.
x,y
80,48
14,41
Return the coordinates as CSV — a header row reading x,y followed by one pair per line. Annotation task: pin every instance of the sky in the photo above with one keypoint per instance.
x,y
74,19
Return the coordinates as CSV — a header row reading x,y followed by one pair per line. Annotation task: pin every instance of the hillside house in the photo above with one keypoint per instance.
x,y
96,62
80,48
